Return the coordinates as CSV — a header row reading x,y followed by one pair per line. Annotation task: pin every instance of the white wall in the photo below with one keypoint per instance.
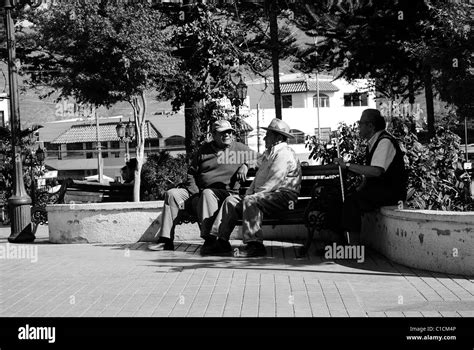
x,y
5,107
303,116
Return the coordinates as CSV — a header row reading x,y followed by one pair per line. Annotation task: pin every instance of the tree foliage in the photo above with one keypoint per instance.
x,y
402,45
99,55
436,179
103,53
162,172
32,168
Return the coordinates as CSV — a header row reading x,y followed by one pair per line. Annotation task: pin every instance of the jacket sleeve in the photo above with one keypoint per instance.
x,y
251,159
276,174
191,184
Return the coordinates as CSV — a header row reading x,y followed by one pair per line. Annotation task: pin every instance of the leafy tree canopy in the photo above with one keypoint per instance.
x,y
393,42
100,54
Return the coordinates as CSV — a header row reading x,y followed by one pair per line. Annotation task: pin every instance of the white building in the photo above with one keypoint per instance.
x,y
4,109
339,101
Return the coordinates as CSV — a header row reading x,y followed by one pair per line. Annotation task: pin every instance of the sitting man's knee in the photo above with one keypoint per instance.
x,y
207,193
173,195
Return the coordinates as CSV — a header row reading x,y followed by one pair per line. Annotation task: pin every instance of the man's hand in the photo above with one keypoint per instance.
x,y
362,184
341,163
242,172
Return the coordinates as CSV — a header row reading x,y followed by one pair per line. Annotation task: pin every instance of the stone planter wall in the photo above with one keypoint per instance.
x,y
131,222
425,239
104,222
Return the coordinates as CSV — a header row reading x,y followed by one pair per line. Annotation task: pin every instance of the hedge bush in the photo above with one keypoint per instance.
x,y
436,179
160,173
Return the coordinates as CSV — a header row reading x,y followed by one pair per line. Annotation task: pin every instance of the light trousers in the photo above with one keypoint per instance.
x,y
251,210
204,205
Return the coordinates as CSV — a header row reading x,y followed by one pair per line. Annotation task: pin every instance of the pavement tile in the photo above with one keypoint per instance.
x,y
128,280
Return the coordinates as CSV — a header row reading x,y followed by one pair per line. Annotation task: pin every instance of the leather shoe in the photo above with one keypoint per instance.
x,y
208,243
220,247
253,249
163,244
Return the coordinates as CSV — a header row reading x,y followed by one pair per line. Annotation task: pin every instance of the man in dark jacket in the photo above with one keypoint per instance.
x,y
384,174
215,172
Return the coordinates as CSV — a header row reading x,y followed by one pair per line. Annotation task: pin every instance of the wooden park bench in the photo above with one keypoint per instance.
x,y
320,190
77,192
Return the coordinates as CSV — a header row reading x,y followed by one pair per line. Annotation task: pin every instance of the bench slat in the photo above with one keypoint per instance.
x,y
86,192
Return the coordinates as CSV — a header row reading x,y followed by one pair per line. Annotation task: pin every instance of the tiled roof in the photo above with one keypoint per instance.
x,y
303,86
299,86
323,86
107,132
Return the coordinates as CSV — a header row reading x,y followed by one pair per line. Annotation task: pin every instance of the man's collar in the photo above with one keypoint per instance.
x,y
374,138
276,147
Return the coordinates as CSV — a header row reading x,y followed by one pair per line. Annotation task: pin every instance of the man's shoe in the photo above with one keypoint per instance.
x,y
163,244
254,249
208,243
220,247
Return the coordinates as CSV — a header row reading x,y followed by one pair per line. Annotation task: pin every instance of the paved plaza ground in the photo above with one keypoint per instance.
x,y
128,293
128,280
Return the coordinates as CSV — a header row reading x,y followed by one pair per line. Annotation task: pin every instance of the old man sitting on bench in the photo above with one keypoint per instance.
x,y
275,189
215,173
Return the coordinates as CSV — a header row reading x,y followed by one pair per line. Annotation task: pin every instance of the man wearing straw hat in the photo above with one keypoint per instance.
x,y
215,172
275,189
385,177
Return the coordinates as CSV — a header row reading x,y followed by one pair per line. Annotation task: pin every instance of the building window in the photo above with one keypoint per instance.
x,y
74,150
115,147
298,138
2,118
52,150
286,101
174,141
355,99
89,147
323,100
104,146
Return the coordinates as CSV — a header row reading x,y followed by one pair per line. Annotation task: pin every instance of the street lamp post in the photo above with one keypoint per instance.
x,y
240,94
19,202
38,156
126,133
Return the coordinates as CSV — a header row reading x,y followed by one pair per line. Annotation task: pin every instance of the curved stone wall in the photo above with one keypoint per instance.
x,y
437,241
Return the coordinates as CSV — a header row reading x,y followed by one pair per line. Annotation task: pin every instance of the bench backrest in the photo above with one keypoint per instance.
x,y
311,175
89,192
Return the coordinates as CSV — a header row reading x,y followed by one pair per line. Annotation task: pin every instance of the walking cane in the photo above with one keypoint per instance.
x,y
341,179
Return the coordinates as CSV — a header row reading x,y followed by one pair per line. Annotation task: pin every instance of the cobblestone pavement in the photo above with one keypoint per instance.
x,y
128,280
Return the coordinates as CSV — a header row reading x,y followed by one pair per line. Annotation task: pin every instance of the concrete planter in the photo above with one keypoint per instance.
x,y
104,222
424,239
131,222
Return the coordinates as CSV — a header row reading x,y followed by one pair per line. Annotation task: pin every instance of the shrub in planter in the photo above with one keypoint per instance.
x,y
436,179
160,173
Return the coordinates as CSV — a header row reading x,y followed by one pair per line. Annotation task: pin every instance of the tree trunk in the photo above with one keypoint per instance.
x,y
139,108
192,121
273,14
429,103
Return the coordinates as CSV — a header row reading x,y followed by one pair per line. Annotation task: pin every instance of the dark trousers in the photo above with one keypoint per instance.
x,y
365,200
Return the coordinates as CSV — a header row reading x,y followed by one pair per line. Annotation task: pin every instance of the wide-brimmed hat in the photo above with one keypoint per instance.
x,y
279,126
222,125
